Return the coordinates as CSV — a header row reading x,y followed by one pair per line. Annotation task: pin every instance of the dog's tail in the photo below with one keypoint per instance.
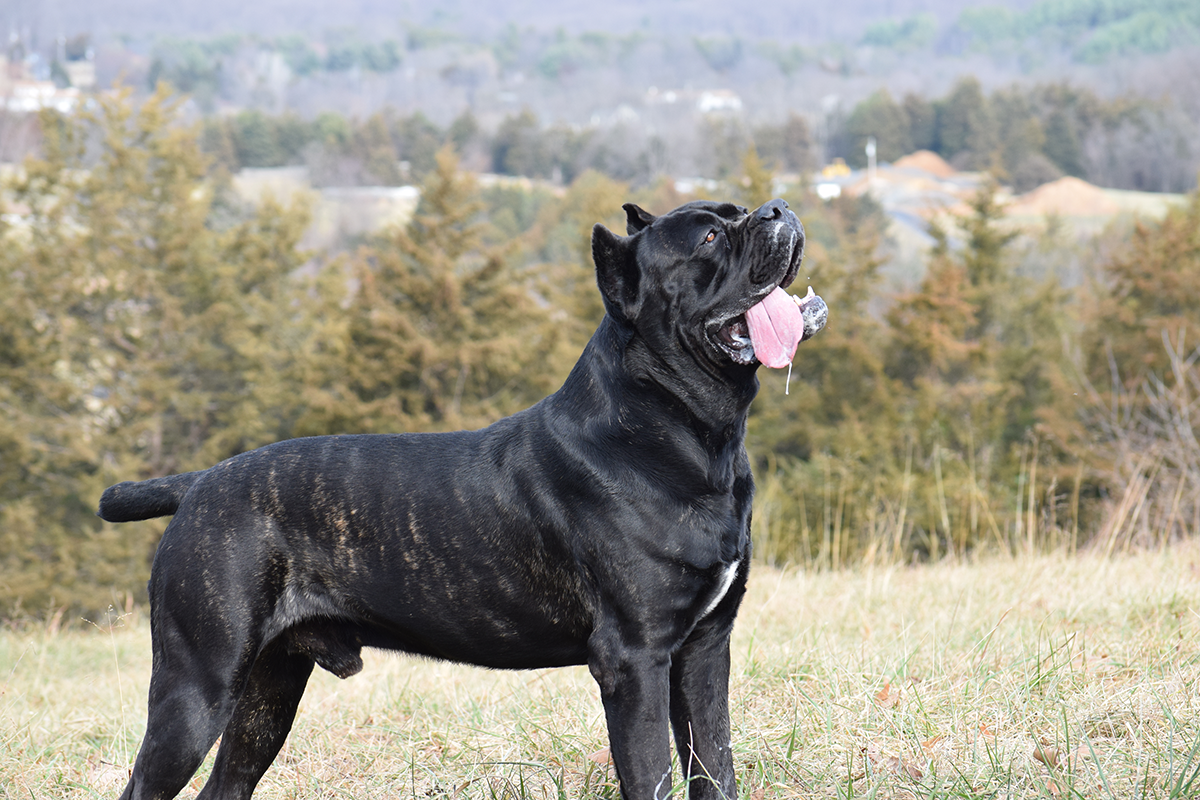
x,y
157,497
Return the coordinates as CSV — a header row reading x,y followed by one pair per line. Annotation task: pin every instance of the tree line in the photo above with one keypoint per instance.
x,y
1025,136
1093,31
389,148
149,326
1090,31
1029,136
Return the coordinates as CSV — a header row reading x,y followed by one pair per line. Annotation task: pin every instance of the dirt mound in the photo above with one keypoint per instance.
x,y
928,161
1067,197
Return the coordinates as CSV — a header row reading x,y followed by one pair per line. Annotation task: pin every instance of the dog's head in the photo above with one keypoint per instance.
x,y
685,280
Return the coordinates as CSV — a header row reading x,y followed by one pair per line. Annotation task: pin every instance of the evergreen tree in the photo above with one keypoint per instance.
x,y
836,399
1022,138
938,355
930,344
443,332
988,270
558,249
922,121
417,141
974,350
293,134
889,123
257,141
1062,143
1147,292
517,147
372,146
757,183
126,342
966,131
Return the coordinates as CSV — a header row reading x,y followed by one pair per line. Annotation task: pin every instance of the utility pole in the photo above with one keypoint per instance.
x,y
870,163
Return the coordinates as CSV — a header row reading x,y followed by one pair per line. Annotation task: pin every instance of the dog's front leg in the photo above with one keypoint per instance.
x,y
634,687
700,711
700,698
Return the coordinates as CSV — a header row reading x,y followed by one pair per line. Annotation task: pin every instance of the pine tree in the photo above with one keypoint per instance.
x,y
1021,161
1124,408
443,332
966,131
836,398
922,121
881,117
372,145
974,351
1147,291
130,326
929,327
757,184
1062,144
558,249
984,259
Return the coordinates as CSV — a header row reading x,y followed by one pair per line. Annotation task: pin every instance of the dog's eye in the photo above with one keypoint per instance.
x,y
712,237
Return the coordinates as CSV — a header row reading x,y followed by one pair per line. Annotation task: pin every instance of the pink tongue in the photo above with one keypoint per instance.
x,y
776,327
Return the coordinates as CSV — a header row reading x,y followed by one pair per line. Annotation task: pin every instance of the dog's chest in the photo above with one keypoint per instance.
x,y
727,576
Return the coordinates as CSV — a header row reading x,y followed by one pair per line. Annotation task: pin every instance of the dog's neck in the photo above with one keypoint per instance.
x,y
717,406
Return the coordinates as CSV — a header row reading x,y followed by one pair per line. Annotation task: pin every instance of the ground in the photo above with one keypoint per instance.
x,y
1035,676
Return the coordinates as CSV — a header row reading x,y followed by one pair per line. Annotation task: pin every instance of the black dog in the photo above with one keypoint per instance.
x,y
609,525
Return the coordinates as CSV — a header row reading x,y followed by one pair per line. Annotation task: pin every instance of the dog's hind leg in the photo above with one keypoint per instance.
x,y
261,721
192,697
207,631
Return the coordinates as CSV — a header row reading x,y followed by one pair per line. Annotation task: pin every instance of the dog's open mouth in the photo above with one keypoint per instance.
x,y
771,330
734,338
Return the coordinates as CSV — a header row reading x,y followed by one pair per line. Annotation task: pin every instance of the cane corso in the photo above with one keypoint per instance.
x,y
608,525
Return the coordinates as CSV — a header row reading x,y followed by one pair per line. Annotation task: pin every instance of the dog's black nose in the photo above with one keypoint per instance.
x,y
771,210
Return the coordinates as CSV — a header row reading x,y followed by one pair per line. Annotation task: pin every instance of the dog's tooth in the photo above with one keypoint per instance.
x,y
800,301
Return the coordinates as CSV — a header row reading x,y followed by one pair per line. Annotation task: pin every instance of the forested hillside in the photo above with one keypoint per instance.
x,y
151,324
1108,90
1024,136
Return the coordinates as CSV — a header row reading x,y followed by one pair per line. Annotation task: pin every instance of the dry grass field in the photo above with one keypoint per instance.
x,y
1040,676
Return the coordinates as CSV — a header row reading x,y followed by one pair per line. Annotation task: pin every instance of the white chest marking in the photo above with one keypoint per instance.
x,y
726,582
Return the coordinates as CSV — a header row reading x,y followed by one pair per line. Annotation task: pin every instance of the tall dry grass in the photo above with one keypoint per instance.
x,y
1040,675
1147,441
1134,451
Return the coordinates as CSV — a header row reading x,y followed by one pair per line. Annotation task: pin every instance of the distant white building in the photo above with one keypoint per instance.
x,y
82,74
718,101
29,96
20,91
829,190
655,97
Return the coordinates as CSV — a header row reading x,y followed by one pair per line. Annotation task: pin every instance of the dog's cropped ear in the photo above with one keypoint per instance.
x,y
637,218
616,272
